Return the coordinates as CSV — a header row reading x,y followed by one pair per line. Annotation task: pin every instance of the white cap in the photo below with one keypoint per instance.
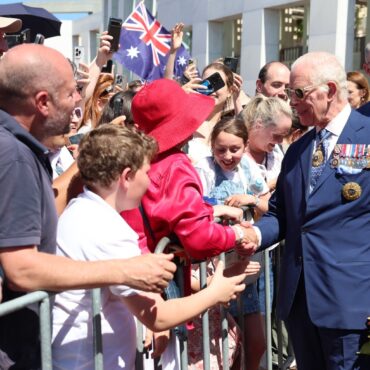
x,y
10,24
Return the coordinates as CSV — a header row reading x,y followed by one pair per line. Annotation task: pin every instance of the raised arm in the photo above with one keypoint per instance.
x,y
176,41
99,62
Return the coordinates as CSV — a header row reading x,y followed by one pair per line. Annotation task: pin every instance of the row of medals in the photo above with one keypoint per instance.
x,y
350,155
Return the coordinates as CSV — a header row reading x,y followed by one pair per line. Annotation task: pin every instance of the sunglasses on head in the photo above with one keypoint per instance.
x,y
107,91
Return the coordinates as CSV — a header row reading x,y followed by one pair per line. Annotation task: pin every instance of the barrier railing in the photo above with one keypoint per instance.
x,y
43,298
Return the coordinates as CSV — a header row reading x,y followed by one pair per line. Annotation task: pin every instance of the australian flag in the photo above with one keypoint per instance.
x,y
145,44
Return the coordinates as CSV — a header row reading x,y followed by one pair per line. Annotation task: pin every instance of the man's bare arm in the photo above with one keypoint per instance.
x,y
26,269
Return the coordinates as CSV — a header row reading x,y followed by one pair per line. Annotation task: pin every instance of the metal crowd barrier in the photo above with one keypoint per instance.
x,y
43,298
45,320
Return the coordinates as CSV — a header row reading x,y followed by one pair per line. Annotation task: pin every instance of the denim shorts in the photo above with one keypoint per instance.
x,y
250,301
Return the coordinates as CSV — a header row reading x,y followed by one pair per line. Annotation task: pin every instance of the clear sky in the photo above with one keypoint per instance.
x,y
61,16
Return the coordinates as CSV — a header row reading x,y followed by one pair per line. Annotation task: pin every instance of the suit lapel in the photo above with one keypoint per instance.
x,y
306,158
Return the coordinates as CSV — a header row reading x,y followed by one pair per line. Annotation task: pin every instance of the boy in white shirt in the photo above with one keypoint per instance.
x,y
113,163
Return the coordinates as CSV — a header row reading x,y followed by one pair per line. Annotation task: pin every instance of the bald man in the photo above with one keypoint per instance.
x,y
273,79
37,98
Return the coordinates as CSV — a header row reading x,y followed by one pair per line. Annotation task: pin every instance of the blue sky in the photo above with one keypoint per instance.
x,y
61,16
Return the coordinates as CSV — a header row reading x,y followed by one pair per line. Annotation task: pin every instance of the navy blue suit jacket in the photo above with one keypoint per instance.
x,y
365,109
327,237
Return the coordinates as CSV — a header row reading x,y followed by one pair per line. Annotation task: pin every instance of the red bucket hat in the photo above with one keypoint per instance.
x,y
163,110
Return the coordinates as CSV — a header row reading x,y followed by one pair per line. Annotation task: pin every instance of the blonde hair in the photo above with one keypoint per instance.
x,y
264,110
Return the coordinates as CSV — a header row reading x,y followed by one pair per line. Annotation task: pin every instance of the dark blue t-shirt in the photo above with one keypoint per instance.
x,y
27,209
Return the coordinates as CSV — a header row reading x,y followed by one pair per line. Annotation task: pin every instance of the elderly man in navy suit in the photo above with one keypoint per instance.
x,y
322,208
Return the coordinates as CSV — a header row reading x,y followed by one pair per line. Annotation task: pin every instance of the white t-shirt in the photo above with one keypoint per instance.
x,y
90,229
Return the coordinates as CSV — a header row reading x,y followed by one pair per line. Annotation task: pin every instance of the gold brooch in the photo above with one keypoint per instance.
x,y
351,191
317,158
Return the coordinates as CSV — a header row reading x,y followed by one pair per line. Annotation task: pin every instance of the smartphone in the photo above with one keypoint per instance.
x,y
79,54
117,106
118,80
19,38
108,67
232,63
114,29
75,139
213,83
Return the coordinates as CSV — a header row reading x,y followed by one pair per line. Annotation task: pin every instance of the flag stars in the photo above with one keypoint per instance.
x,y
133,52
182,61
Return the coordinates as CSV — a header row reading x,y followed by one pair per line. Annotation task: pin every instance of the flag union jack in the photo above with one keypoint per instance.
x,y
150,32
145,45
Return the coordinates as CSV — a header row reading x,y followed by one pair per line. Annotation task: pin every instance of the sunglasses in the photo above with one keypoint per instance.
x,y
299,93
107,91
77,112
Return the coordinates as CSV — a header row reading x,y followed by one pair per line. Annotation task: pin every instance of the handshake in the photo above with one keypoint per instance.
x,y
247,240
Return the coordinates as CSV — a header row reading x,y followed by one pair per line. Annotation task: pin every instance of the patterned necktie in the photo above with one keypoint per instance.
x,y
319,156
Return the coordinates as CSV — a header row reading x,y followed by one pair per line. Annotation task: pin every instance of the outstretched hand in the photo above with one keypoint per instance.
x,y
243,266
226,288
249,244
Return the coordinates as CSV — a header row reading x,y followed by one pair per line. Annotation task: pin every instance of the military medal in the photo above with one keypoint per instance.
x,y
318,158
337,149
334,162
367,156
351,191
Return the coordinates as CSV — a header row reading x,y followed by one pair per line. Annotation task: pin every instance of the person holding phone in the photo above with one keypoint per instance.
x,y
199,146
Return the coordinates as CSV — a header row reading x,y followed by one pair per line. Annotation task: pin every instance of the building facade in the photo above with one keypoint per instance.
x,y
254,31
264,27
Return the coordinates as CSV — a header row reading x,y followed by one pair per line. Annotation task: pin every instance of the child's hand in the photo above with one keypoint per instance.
x,y
245,266
160,339
226,288
228,213
239,200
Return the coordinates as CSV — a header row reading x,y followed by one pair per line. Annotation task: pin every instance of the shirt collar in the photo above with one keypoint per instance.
x,y
336,125
11,125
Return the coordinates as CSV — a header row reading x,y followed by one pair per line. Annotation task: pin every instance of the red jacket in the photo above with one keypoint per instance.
x,y
174,204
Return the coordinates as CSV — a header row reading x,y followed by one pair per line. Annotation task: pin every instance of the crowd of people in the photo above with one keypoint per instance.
x,y
109,170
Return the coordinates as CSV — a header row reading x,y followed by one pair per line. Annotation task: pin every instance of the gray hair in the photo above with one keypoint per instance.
x,y
325,67
265,110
